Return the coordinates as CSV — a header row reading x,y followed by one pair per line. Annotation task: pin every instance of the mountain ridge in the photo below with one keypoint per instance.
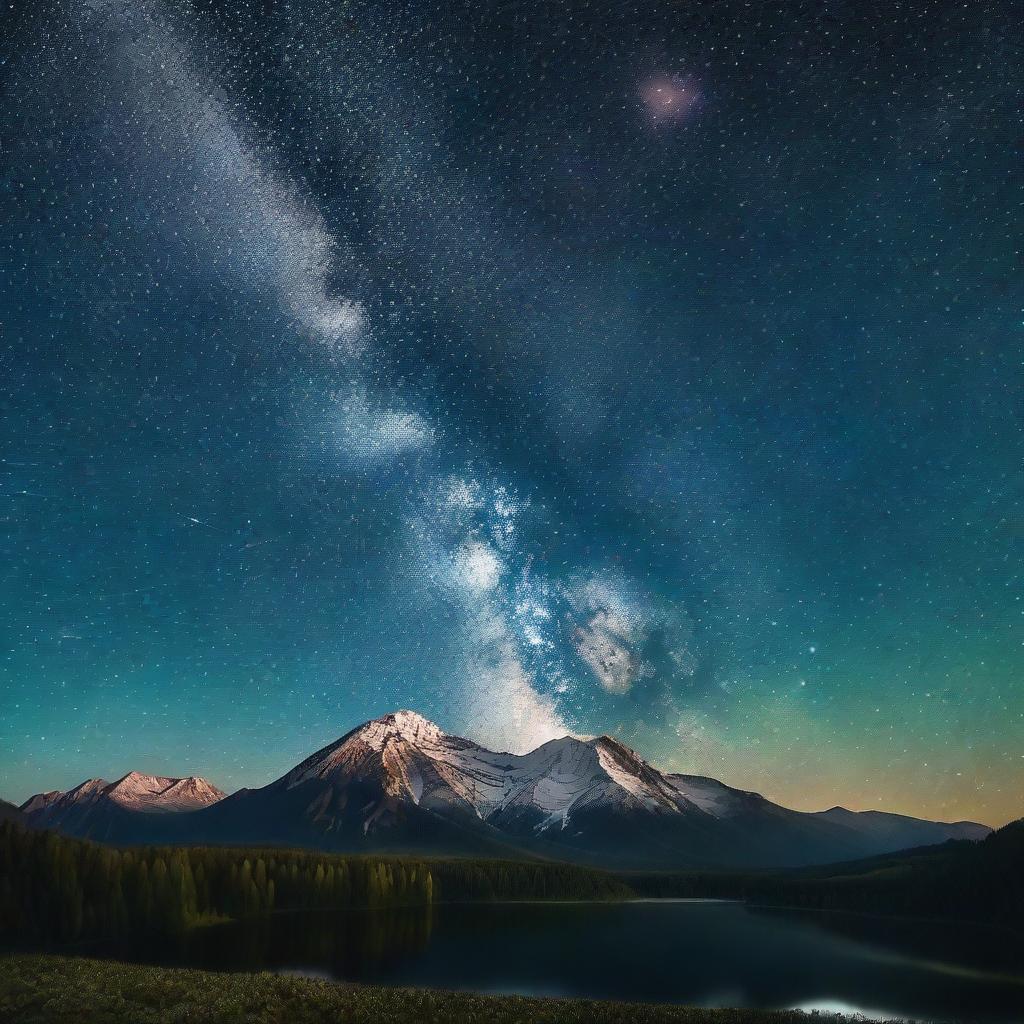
x,y
399,783
103,810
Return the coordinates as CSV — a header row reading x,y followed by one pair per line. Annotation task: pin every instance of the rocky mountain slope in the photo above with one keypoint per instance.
x,y
400,783
115,810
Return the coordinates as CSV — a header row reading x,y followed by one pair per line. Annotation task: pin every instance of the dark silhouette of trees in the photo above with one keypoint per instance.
x,y
54,888
981,881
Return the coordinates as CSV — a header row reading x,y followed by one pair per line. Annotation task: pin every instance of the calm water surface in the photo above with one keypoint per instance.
x,y
702,953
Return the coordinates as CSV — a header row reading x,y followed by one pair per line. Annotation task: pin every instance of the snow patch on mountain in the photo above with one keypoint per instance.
x,y
410,757
400,782
711,796
402,725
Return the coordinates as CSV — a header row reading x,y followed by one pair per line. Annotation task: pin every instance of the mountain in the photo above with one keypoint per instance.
x,y
8,812
899,832
399,783
981,881
115,811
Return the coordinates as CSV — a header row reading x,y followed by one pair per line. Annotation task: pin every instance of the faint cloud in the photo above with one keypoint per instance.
x,y
502,705
603,645
372,433
477,567
254,223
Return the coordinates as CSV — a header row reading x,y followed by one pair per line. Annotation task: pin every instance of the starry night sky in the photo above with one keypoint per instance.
x,y
593,367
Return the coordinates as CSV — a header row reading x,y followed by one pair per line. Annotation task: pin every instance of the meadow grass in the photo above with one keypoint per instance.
x,y
44,989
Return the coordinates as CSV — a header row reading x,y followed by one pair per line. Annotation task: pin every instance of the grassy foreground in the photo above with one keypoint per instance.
x,y
47,989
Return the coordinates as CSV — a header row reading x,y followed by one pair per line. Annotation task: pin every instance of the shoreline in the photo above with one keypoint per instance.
x,y
50,989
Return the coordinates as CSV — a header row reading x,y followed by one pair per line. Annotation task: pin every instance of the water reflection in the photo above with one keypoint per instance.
x,y
958,948
677,952
353,945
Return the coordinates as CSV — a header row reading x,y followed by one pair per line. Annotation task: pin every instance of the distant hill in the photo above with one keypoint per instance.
x,y
399,784
971,880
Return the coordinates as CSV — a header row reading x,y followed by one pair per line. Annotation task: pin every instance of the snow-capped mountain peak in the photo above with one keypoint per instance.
x,y
408,758
192,790
135,791
157,793
381,741
400,782
627,769
91,789
400,725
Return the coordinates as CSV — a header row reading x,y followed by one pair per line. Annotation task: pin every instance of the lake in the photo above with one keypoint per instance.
x,y
680,951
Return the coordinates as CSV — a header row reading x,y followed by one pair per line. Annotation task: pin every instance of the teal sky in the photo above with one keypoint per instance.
x,y
588,371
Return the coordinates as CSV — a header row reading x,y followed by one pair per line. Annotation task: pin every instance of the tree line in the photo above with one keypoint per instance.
x,y
61,889
482,880
980,881
55,888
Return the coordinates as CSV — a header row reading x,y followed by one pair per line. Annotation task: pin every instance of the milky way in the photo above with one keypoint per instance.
x,y
543,370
